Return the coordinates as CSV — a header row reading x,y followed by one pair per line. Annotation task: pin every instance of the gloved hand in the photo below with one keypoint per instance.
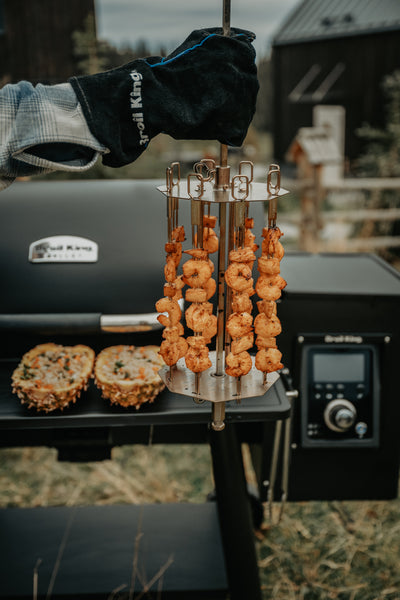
x,y
205,89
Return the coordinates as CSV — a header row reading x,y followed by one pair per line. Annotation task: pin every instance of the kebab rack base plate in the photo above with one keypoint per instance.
x,y
216,388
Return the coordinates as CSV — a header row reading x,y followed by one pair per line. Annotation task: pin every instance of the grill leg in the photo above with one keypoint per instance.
x,y
234,515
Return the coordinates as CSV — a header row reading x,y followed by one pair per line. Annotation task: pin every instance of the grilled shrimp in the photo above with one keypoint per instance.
x,y
238,364
171,307
239,324
268,266
238,276
241,302
196,272
265,290
268,360
267,327
240,344
197,360
170,353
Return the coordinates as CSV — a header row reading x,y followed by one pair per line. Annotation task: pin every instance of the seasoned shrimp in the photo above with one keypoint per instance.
x,y
265,290
271,238
170,353
178,234
238,276
196,295
241,302
211,328
245,342
196,272
238,364
249,240
242,255
210,288
268,360
210,221
170,269
265,342
198,253
197,317
239,324
172,334
198,360
171,307
268,266
210,240
174,249
268,307
197,341
267,327
182,347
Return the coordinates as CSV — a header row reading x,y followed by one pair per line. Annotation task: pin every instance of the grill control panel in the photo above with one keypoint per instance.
x,y
339,396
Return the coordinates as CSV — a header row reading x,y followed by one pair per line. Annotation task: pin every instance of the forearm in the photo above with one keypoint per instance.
x,y
43,129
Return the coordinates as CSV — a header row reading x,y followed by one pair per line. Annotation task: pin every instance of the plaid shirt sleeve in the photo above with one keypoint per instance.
x,y
43,129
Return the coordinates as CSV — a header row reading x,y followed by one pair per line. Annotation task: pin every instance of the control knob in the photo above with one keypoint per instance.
x,y
340,415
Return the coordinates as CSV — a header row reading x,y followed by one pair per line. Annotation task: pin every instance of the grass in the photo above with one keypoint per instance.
x,y
319,551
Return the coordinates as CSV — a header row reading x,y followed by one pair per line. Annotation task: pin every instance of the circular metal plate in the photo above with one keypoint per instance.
x,y
257,193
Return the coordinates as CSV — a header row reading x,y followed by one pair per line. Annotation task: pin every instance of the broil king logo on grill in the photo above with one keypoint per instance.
x,y
63,248
137,106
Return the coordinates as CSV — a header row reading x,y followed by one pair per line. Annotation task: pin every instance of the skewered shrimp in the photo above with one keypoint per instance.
x,y
210,221
238,276
198,253
210,287
170,269
238,364
178,285
267,327
197,316
171,307
171,334
196,295
239,324
210,240
268,360
197,341
211,328
196,272
242,255
265,290
241,302
240,344
174,249
271,238
178,234
268,307
265,342
268,266
197,360
182,346
170,352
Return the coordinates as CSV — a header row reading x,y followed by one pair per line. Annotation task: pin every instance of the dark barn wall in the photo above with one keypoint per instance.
x,y
367,59
37,43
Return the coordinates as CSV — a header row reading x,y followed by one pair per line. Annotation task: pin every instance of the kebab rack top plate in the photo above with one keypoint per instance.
x,y
257,192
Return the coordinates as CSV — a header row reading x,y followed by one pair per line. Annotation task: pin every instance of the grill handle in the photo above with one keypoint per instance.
x,y
51,323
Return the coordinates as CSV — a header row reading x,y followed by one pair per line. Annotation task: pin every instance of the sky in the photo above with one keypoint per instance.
x,y
166,23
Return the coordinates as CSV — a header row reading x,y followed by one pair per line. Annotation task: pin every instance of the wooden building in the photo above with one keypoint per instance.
x,y
334,53
36,38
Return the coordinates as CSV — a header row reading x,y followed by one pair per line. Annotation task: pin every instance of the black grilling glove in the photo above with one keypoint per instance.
x,y
205,89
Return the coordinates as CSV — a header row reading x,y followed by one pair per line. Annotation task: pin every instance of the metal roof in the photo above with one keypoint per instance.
x,y
321,19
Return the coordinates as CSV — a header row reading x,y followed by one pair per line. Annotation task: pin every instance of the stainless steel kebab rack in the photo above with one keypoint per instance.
x,y
211,184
